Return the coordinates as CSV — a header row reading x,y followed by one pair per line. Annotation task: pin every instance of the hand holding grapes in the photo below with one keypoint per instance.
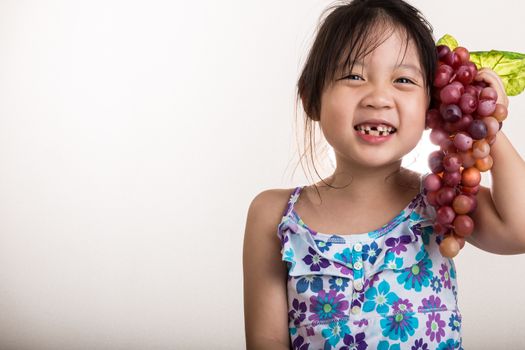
x,y
493,80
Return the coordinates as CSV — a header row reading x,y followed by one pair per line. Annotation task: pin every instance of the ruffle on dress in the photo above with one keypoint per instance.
x,y
398,245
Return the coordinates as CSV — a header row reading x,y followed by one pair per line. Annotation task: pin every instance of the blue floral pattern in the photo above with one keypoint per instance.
x,y
386,289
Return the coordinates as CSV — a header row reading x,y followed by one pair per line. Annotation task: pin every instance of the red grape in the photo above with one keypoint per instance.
x,y
445,195
468,103
464,75
462,141
434,161
452,178
488,93
433,119
443,75
463,53
437,136
452,59
447,146
470,177
484,164
449,247
477,129
500,113
486,107
480,149
463,225
442,51
492,125
471,89
432,182
470,190
452,162
462,204
452,113
450,94
432,198
445,215
467,159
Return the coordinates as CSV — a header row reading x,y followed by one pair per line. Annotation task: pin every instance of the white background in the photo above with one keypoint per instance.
x,y
133,136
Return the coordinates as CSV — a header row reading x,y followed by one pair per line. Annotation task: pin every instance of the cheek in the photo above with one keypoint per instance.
x,y
335,113
416,112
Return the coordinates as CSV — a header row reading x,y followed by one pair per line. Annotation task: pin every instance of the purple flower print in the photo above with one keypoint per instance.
x,y
422,203
432,304
398,245
289,225
418,201
327,306
445,276
354,343
419,345
298,312
315,260
416,229
361,322
402,305
435,327
418,275
358,298
284,239
344,269
370,282
299,344
310,331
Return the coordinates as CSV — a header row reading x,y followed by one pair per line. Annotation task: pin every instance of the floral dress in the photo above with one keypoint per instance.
x,y
386,289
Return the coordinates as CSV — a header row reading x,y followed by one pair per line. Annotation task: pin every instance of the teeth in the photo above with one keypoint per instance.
x,y
381,130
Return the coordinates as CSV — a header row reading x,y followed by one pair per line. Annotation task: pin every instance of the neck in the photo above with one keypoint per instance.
x,y
370,183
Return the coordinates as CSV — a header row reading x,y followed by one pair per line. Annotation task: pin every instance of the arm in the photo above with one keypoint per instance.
x,y
265,276
500,216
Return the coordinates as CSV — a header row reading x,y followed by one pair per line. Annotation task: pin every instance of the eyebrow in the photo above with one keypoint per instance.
x,y
407,66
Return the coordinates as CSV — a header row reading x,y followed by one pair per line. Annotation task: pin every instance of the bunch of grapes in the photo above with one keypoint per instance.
x,y
464,118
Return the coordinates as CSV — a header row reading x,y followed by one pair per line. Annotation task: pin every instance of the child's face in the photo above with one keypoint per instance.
x,y
380,90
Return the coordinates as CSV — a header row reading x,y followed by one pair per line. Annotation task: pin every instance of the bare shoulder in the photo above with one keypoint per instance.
x,y
265,274
269,205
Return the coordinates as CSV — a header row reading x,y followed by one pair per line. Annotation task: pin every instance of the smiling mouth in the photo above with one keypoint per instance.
x,y
375,130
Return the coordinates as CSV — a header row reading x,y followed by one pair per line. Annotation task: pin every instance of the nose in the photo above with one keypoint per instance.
x,y
378,97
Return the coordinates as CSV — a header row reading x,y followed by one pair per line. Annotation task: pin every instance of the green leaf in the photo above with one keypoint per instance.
x,y
510,66
448,40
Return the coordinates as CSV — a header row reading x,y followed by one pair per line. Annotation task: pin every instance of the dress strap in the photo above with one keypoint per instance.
x,y
293,198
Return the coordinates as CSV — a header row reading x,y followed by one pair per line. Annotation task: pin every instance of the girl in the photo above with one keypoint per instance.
x,y
347,263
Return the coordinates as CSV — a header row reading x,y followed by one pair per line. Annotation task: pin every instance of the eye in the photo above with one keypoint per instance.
x,y
408,80
352,76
